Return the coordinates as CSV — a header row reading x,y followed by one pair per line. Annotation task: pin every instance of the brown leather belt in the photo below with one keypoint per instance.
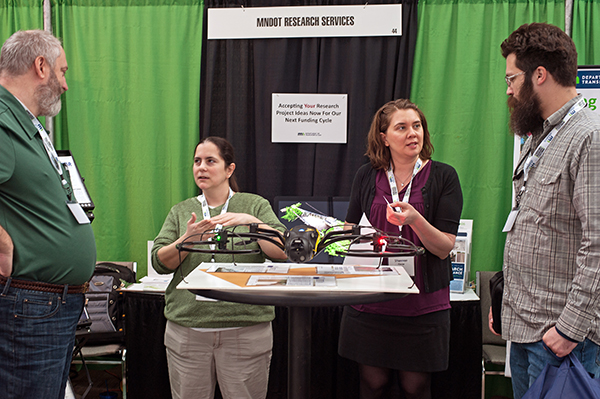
x,y
44,287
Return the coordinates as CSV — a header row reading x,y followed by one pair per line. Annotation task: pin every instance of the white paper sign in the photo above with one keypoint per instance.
x,y
305,21
407,262
309,118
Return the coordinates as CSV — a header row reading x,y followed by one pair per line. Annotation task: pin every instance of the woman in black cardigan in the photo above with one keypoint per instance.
x,y
411,335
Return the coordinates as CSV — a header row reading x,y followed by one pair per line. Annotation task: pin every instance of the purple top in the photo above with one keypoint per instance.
x,y
412,304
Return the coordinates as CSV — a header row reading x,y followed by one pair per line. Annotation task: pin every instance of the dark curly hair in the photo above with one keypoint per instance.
x,y
541,44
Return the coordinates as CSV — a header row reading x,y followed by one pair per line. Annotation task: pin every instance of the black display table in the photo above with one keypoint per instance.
x,y
332,376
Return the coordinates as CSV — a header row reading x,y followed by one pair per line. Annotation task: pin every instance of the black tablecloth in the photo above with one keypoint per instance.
x,y
332,376
147,372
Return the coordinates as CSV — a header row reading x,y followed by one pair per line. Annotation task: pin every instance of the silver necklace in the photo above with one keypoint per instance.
x,y
406,180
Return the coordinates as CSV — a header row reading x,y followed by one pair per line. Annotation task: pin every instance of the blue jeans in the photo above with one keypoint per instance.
x,y
37,334
528,360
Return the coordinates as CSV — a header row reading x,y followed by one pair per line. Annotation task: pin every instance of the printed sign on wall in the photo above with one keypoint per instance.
x,y
306,21
309,118
588,84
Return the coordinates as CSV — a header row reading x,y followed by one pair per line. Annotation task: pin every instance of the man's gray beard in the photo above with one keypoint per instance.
x,y
48,97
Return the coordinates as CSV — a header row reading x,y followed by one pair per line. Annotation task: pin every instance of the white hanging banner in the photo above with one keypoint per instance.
x,y
309,118
310,21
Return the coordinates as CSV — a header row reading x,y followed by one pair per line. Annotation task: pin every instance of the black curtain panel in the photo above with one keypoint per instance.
x,y
239,77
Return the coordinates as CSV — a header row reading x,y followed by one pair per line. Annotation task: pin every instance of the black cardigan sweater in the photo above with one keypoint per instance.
x,y
443,202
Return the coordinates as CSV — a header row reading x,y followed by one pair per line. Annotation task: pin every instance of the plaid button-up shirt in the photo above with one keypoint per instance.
x,y
552,254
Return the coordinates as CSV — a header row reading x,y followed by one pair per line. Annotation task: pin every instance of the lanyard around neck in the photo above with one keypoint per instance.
x,y
394,186
52,155
535,157
206,208
206,214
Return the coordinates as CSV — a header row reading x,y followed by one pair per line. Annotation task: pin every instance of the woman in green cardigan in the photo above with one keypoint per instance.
x,y
206,340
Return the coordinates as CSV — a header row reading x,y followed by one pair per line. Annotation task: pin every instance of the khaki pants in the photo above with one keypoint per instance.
x,y
238,359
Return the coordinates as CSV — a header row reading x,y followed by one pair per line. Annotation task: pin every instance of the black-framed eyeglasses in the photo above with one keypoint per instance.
x,y
509,79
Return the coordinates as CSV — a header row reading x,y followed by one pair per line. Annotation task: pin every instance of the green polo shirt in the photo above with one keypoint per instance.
x,y
49,244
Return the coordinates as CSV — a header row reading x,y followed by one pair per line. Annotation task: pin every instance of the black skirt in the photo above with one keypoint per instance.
x,y
419,344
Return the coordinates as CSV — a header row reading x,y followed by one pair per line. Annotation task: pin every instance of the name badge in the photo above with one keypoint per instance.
x,y
78,212
511,220
407,262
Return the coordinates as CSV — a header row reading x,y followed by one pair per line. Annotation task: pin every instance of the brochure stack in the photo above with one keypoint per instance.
x,y
461,257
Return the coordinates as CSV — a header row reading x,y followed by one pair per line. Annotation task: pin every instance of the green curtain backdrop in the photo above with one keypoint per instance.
x,y
586,31
458,81
130,116
19,15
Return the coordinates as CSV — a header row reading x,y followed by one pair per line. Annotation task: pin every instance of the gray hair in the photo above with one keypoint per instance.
x,y
23,47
